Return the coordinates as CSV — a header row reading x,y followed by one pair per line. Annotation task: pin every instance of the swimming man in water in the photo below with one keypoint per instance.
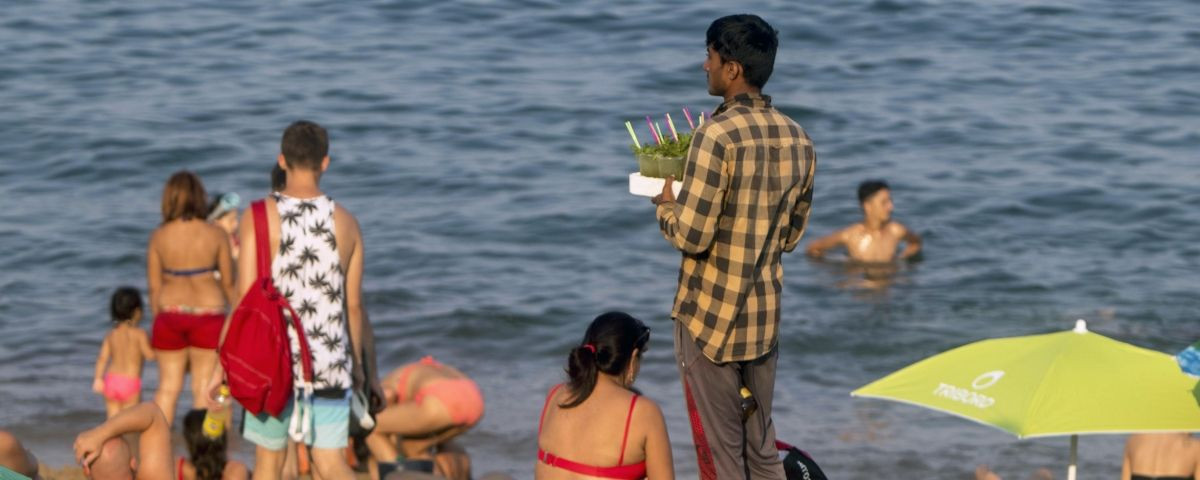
x,y
876,237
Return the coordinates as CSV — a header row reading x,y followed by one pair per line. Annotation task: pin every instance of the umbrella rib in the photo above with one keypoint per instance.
x,y
1039,392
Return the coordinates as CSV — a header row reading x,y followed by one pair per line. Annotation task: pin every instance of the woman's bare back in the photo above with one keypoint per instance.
x,y
1163,454
591,432
185,247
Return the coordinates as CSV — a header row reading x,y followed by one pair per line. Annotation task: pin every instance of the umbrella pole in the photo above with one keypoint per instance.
x,y
1074,449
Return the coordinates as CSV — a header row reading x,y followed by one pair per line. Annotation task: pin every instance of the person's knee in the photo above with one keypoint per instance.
x,y
269,458
330,464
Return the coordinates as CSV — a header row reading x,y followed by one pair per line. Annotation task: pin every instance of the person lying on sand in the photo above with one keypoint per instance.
x,y
103,454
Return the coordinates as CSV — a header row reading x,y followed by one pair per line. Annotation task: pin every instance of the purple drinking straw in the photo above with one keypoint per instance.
x,y
653,132
688,116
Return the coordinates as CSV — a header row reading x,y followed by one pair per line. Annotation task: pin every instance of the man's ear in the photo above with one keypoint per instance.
x,y
324,163
733,70
281,161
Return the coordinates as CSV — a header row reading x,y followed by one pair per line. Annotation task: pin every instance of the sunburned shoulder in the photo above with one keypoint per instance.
x,y
896,228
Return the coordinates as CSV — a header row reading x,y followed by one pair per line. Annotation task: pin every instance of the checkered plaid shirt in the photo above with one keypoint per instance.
x,y
739,167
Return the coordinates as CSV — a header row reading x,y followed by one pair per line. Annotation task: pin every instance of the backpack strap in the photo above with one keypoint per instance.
x,y
302,390
262,237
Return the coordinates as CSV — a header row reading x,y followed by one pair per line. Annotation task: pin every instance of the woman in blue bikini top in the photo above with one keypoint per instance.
x,y
187,302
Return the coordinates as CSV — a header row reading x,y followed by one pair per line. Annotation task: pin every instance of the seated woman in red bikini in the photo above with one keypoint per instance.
x,y
428,404
1161,456
187,301
582,419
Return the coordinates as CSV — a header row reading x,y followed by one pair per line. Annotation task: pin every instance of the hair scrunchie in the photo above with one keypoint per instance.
x,y
589,347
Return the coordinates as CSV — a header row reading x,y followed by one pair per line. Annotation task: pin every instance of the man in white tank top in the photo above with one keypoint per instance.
x,y
317,263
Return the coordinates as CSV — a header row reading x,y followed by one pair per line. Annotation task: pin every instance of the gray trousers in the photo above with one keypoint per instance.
x,y
727,448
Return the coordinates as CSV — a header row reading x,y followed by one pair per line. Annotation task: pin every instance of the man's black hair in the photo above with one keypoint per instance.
x,y
870,187
748,40
305,144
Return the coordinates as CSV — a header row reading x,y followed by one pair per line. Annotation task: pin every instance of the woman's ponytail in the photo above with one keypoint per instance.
x,y
607,347
581,373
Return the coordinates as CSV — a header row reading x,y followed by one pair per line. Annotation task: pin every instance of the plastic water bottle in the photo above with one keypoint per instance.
x,y
218,414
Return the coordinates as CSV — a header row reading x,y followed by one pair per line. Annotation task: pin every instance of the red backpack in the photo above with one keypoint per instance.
x,y
256,354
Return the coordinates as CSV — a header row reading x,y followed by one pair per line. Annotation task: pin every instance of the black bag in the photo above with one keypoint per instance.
x,y
798,465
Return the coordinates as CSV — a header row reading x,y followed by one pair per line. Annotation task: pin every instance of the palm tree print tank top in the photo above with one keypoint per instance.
x,y
308,271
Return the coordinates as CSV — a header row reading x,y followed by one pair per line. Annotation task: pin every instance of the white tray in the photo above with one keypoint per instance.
x,y
649,187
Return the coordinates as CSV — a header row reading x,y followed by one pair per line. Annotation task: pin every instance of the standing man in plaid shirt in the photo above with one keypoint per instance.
x,y
746,194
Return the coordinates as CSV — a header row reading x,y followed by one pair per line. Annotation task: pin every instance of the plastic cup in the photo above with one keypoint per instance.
x,y
670,166
648,165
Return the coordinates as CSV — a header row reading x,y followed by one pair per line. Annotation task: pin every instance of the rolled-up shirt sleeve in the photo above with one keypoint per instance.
x,y
690,222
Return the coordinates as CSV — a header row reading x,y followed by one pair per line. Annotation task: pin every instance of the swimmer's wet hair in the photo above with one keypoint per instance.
x,y
125,301
748,40
607,347
870,187
305,144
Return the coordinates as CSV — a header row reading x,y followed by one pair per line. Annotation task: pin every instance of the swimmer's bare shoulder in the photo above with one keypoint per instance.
x,y
843,237
896,230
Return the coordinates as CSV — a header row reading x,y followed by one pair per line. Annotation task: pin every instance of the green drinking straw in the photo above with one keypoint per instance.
x,y
658,130
671,123
636,143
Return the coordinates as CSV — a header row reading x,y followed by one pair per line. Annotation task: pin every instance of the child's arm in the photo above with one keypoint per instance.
x,y
912,243
144,344
817,248
101,366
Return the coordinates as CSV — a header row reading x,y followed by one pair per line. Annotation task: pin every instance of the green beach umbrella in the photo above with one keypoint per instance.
x,y
1066,383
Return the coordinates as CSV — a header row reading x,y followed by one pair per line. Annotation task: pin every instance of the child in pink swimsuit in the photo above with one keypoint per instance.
x,y
128,348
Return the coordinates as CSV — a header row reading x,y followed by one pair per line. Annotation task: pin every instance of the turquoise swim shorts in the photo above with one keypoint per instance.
x,y
6,474
330,426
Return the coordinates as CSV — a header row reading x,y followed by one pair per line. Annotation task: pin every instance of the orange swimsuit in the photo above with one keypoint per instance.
x,y
461,396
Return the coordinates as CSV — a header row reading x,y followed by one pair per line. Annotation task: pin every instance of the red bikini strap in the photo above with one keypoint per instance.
x,y
621,459
545,406
179,469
